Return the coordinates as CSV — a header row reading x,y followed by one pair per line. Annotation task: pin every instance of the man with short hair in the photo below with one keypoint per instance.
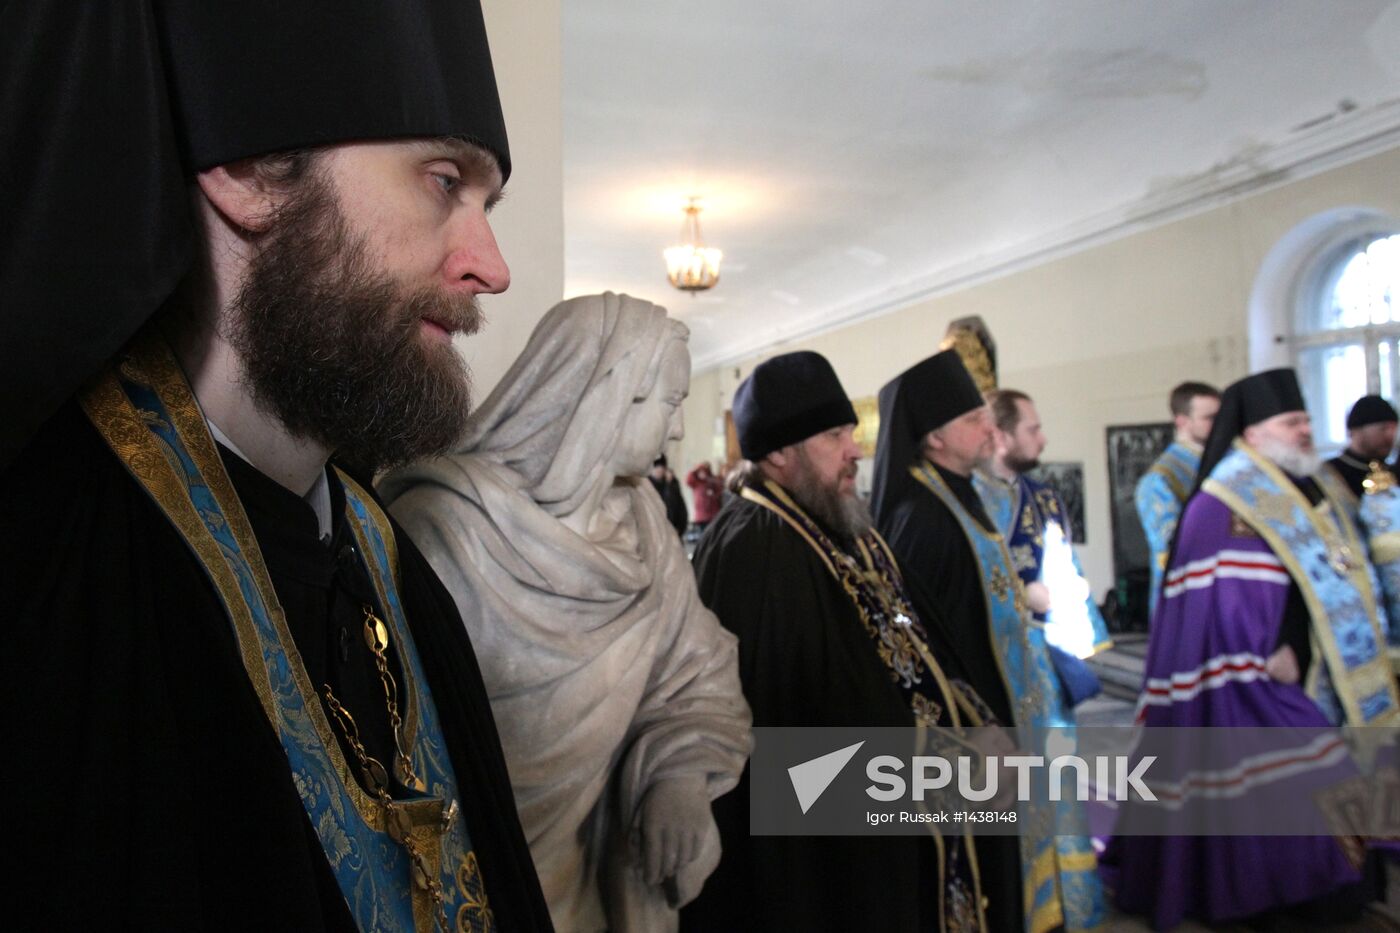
x,y
1371,428
1363,482
1038,533
935,429
255,706
1163,488
1265,566
826,638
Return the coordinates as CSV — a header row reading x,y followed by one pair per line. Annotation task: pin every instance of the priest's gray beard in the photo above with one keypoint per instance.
x,y
845,515
1290,459
332,346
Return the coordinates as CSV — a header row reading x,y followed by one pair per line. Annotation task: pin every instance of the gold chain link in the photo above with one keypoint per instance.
x,y
377,638
396,821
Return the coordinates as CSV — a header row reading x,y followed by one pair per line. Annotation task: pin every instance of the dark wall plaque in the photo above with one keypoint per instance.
x,y
1067,479
1132,449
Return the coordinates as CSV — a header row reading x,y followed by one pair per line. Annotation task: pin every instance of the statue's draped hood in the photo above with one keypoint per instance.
x,y
557,415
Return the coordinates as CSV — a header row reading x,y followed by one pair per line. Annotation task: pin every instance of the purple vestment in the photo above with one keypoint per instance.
x,y
1218,621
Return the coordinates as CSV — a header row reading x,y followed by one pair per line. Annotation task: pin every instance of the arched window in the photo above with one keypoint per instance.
x,y
1346,336
1327,301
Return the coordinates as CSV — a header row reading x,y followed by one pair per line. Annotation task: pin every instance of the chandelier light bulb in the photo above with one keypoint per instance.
x,y
691,266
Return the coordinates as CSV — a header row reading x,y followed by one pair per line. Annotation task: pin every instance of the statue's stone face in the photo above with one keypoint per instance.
x,y
655,420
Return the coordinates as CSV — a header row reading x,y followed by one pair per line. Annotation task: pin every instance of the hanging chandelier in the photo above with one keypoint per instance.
x,y
692,266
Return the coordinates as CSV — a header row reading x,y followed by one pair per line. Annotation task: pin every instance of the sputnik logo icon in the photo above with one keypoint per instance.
x,y
810,779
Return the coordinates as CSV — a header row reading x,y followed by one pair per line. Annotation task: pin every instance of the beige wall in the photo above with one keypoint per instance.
x,y
525,40
1098,337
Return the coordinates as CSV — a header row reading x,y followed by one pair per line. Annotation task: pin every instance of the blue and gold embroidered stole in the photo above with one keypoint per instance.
x,y
1159,498
1326,559
1059,870
872,580
144,409
1037,532
1377,516
1177,465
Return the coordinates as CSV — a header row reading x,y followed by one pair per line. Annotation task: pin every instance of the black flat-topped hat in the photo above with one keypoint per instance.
x,y
1262,396
923,398
788,399
110,108
1249,401
936,391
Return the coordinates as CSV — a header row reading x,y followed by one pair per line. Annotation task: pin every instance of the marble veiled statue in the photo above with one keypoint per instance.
x,y
616,692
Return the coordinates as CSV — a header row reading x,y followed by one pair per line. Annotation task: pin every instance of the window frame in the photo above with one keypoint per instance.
x,y
1299,274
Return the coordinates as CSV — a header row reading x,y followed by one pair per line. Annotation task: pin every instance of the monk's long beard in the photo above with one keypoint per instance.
x,y
332,347
844,515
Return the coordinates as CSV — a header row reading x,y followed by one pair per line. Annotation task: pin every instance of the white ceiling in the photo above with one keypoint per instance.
x,y
854,157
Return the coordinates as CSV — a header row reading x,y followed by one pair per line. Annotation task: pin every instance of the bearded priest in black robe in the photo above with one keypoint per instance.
x,y
826,638
237,241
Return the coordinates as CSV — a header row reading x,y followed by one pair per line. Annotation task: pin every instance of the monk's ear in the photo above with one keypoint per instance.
x,y
779,458
245,197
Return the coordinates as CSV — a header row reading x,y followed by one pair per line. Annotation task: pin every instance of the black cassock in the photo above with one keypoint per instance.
x,y
670,492
804,660
944,581
146,789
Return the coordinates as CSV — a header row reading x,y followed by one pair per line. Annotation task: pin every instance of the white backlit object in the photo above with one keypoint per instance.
x,y
1069,628
692,266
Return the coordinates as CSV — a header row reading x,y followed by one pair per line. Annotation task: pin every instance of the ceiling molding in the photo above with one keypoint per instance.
x,y
1340,140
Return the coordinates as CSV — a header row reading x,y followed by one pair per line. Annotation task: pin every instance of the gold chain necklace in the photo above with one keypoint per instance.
x,y
396,819
377,638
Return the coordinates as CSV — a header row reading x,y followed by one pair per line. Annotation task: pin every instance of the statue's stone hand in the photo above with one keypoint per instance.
x,y
676,840
685,885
